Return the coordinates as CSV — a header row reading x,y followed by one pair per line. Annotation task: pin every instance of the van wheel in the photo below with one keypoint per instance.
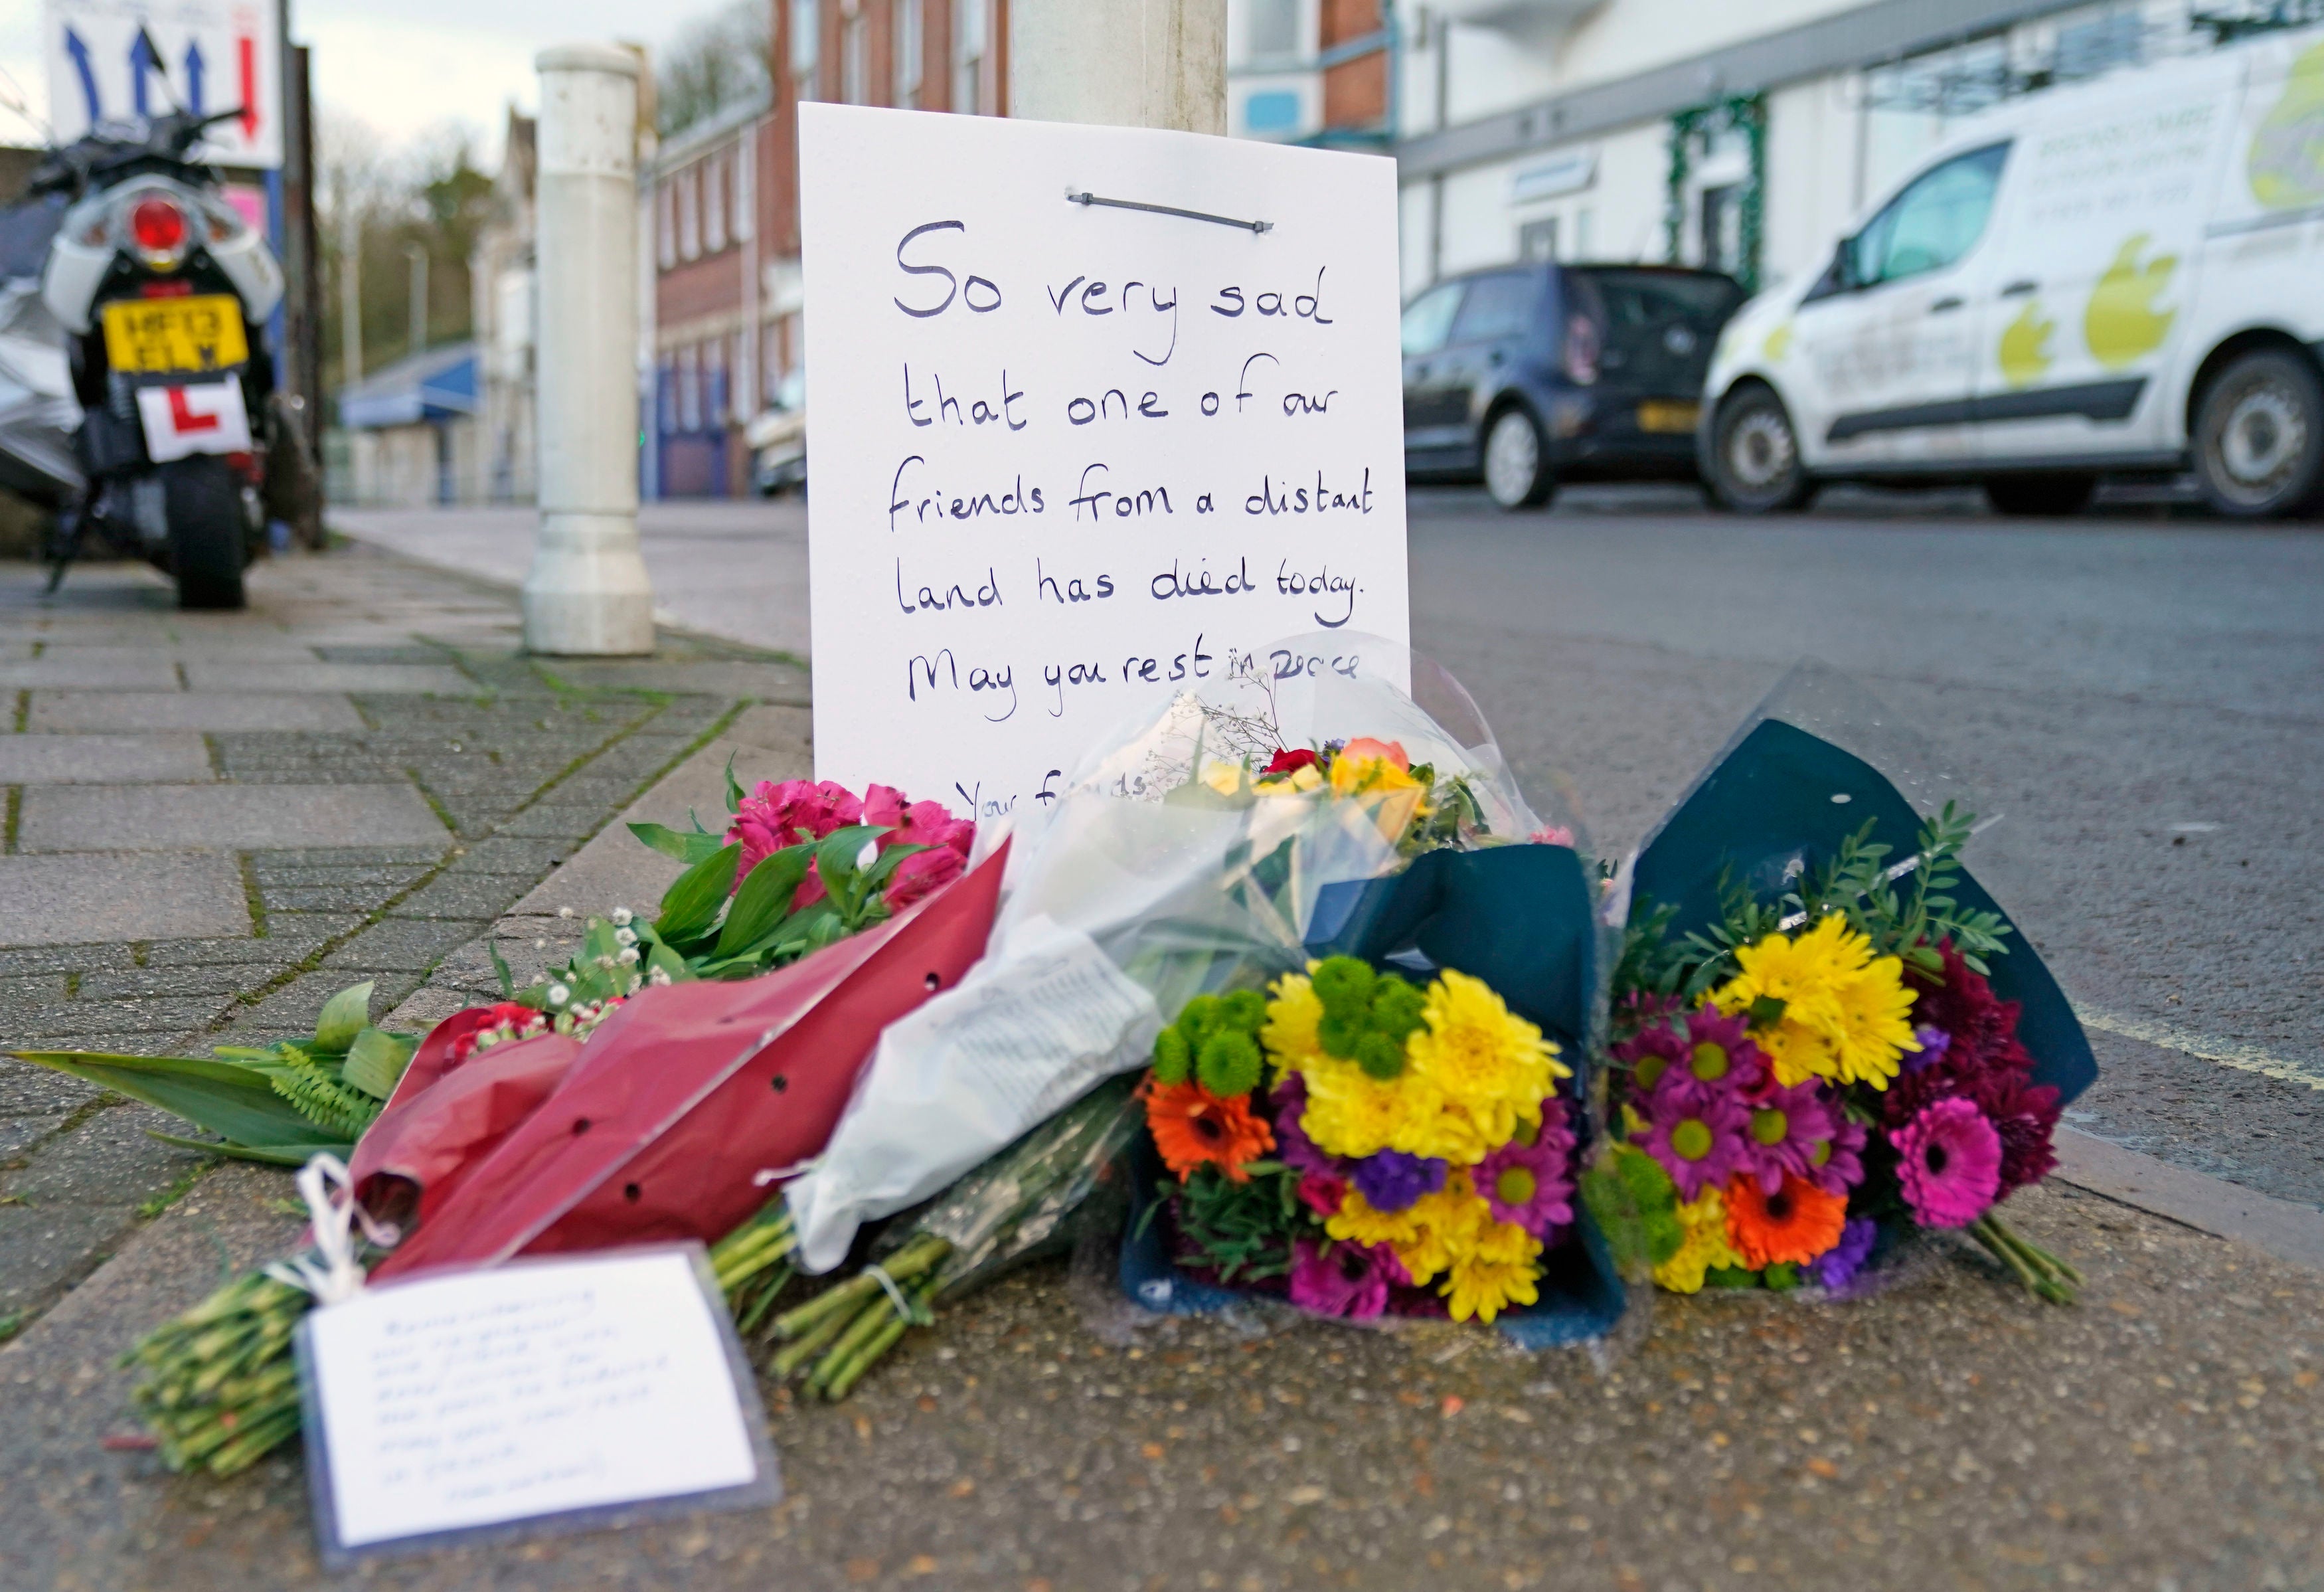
x,y
1517,464
1755,457
2041,496
2259,437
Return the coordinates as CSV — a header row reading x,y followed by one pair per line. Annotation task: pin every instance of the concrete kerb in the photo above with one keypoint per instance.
x,y
2282,1229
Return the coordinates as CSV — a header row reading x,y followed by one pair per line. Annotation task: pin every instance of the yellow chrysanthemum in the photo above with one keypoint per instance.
x,y
1704,1221
1290,1033
1358,1223
1351,1113
1452,1132
1503,1243
1876,1023
1448,1222
1481,1056
1846,1013
1484,1289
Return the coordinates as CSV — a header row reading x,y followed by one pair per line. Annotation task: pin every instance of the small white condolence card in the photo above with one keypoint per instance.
x,y
548,1392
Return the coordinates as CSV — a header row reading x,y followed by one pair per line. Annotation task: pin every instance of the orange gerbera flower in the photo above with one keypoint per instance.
x,y
1794,1225
1194,1127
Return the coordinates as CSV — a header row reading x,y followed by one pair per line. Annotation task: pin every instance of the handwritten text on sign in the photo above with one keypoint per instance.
x,y
1070,458
478,1398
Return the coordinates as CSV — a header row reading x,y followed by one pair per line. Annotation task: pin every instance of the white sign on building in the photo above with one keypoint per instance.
x,y
123,61
1073,455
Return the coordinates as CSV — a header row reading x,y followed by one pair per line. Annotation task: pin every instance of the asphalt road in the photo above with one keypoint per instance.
x,y
2133,691
2134,694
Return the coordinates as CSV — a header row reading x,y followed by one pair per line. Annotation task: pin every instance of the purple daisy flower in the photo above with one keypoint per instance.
x,y
1293,1147
1391,1179
1341,1279
1698,1132
1531,1185
1786,1127
1720,1053
1837,1267
1651,1052
1836,1165
1948,1162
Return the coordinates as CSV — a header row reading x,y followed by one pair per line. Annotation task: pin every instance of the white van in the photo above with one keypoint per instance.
x,y
2118,277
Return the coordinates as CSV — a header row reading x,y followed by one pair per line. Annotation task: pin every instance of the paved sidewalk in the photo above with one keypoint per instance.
x,y
215,821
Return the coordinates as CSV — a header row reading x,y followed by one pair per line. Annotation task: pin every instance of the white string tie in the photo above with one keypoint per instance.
x,y
332,1275
776,1174
878,1274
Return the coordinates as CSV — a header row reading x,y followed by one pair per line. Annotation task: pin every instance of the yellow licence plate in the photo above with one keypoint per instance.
x,y
157,336
1655,416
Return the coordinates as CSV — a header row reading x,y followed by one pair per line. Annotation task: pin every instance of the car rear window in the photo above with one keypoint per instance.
x,y
1498,306
1651,300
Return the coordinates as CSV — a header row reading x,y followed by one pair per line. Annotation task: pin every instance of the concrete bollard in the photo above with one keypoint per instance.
x,y
588,593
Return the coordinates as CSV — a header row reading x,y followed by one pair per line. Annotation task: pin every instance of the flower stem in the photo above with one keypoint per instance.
x,y
799,1351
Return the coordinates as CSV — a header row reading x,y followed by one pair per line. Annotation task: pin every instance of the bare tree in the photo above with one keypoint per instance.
x,y
714,62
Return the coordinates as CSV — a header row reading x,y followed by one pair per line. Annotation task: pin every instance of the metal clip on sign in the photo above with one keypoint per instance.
x,y
1091,199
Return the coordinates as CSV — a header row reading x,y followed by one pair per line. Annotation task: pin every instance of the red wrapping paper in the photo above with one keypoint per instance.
x,y
660,1125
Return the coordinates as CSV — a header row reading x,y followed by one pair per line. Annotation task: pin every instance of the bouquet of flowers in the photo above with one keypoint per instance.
x,y
1814,1046
1421,1156
688,1084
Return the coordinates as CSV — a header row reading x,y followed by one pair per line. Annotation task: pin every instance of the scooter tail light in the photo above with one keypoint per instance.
x,y
158,226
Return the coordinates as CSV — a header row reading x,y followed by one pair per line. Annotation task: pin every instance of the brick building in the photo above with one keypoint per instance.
x,y
722,214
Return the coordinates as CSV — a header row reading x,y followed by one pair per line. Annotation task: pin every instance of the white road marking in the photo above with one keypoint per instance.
x,y
2225,1052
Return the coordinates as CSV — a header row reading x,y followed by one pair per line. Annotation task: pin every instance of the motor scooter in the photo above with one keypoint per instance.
x,y
164,292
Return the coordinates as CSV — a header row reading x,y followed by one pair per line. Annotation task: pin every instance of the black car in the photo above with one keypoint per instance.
x,y
1530,374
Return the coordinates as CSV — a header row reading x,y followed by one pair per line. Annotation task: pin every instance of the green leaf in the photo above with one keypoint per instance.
x,y
344,1018
234,1102
376,1061
764,900
270,1154
500,971
691,904
889,861
834,858
689,849
733,787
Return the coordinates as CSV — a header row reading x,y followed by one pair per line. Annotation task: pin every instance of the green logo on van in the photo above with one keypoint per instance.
x,y
2122,324
2285,164
2025,356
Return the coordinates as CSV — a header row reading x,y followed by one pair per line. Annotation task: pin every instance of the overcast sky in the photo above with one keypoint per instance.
x,y
399,66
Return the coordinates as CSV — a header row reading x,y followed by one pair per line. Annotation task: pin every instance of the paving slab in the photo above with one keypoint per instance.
x,y
112,1158
171,758
98,897
64,669
418,679
226,816
613,869
255,709
42,1248
410,945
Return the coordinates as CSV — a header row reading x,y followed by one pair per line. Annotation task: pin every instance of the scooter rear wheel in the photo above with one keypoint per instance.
x,y
203,508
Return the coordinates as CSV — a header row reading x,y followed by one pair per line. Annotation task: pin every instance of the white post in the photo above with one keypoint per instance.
x,y
587,592
1124,63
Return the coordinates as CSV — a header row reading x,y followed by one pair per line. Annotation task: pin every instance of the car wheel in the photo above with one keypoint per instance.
x,y
2259,436
2044,495
1755,457
1517,464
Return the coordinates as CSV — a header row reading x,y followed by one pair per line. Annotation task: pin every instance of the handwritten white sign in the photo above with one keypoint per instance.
x,y
1070,455
480,1397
